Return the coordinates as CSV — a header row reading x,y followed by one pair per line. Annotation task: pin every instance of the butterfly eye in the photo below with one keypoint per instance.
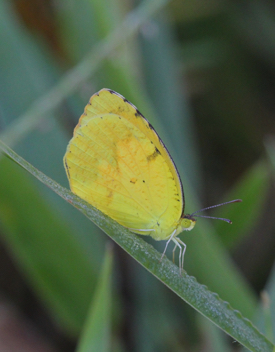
x,y
188,224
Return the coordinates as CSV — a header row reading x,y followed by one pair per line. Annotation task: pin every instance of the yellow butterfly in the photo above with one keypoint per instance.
x,y
117,162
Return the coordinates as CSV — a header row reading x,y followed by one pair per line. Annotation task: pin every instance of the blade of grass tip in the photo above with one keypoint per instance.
x,y
267,314
96,332
80,73
198,296
266,309
217,341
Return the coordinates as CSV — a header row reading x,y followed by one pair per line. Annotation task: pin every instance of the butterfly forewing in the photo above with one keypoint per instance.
x,y
117,163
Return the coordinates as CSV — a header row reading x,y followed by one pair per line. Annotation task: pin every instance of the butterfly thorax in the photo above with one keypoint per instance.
x,y
161,232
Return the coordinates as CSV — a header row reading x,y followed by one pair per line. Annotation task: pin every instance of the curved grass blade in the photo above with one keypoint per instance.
x,y
96,331
81,72
198,296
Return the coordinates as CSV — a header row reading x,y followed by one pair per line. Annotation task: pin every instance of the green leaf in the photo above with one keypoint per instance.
x,y
45,249
216,340
266,313
252,189
96,331
81,72
198,296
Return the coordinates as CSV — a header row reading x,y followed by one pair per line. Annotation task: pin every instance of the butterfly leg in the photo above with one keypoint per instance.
x,y
183,248
170,238
175,240
174,252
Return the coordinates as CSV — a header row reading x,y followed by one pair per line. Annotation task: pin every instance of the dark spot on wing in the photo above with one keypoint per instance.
x,y
67,168
110,194
137,113
154,155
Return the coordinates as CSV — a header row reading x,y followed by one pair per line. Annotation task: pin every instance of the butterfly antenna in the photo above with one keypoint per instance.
x,y
215,206
213,217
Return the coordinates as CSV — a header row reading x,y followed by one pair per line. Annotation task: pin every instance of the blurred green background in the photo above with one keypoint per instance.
x,y
203,73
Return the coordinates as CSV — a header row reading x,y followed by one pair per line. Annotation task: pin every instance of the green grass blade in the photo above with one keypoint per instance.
x,y
168,94
47,253
96,332
252,189
198,296
265,316
216,339
80,73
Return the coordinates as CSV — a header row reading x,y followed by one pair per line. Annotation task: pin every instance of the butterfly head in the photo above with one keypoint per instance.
x,y
187,223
